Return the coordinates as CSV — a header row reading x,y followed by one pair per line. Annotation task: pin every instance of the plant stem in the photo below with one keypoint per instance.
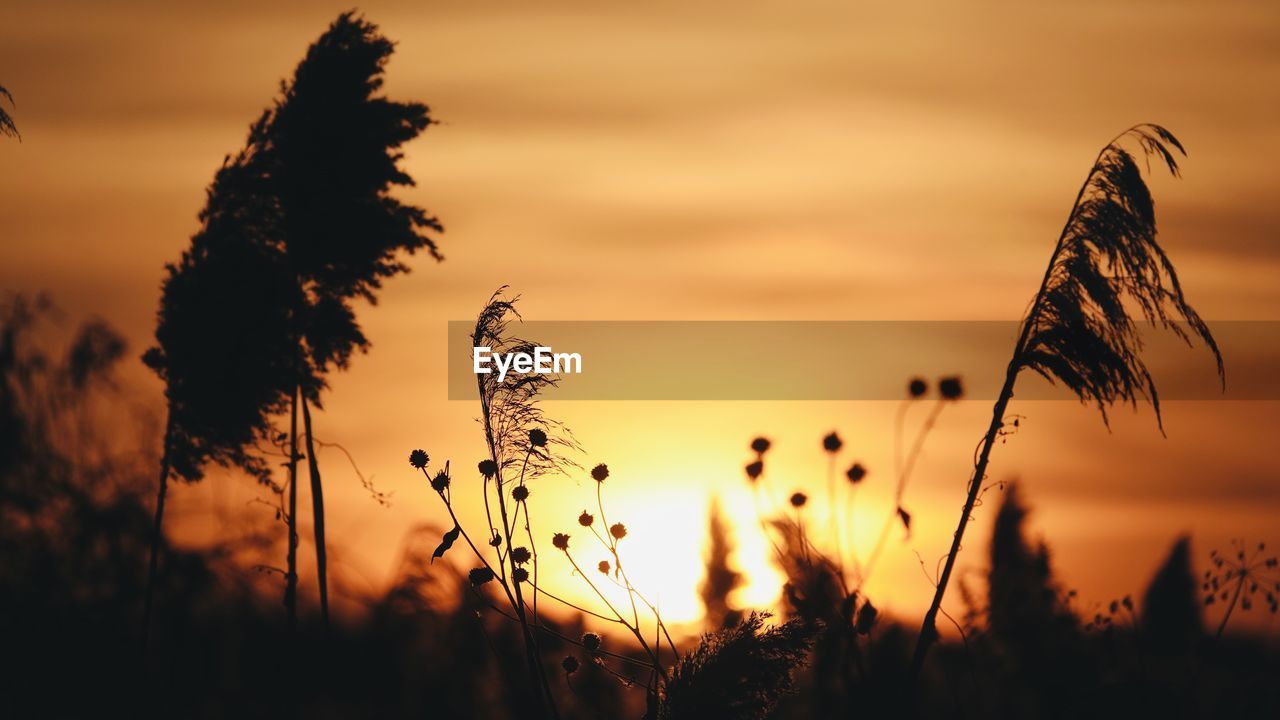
x,y
155,539
317,508
928,629
1235,597
291,574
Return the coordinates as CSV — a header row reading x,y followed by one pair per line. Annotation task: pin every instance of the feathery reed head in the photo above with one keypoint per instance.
x,y
1080,331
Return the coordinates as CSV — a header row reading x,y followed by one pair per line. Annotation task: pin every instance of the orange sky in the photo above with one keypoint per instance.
x,y
675,160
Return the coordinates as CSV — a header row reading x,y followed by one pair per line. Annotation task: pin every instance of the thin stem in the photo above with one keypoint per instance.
x,y
317,508
1235,597
156,536
291,575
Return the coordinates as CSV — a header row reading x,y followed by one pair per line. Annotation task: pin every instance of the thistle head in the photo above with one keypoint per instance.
x,y
560,541
832,443
419,459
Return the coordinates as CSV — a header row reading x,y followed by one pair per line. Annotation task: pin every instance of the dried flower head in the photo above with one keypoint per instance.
x,y
600,472
586,519
799,499
760,445
496,540
520,575
570,664
440,482
419,459
560,540
755,470
488,468
520,493
538,437
917,387
618,530
856,473
591,641
603,566
1243,576
520,555
950,388
479,576
832,442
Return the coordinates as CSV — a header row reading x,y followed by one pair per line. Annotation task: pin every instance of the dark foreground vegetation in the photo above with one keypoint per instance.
x,y
75,521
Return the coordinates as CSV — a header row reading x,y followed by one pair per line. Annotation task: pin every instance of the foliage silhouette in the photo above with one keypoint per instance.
x,y
331,148
1079,330
298,226
738,673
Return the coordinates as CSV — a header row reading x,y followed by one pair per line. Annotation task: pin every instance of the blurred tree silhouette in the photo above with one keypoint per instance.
x,y
1171,621
296,227
721,579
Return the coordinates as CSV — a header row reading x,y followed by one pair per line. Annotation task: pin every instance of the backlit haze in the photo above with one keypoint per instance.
x,y
680,161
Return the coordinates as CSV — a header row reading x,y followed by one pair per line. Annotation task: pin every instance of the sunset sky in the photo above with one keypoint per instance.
x,y
699,161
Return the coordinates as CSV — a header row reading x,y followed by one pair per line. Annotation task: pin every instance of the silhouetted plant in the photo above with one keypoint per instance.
x,y
331,151
1079,330
1171,620
224,345
301,224
523,445
738,673
1239,578
6,121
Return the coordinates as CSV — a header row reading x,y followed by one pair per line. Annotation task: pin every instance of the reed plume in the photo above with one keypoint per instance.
x,y
1081,328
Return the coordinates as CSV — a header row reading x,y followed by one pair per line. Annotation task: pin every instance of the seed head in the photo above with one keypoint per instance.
x,y
520,575
496,540
600,472
488,468
520,493
917,387
538,437
440,482
570,664
520,555
480,576
591,641
760,445
618,530
560,540
799,499
950,388
755,470
832,443
856,473
866,618
603,566
419,459
586,519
